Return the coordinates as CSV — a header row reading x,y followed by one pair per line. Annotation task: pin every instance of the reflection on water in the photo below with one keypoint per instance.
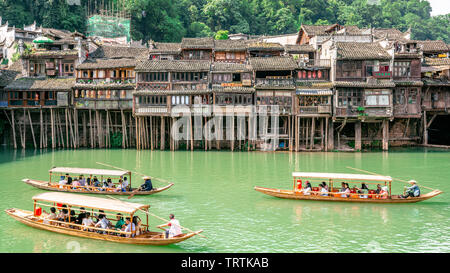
x,y
214,191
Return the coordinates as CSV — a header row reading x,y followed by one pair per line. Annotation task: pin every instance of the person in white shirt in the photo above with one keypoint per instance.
x,y
102,223
125,183
131,227
307,189
174,227
323,190
62,182
87,222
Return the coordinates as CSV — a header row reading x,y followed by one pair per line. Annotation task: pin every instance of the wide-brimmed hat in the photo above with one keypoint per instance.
x,y
146,177
412,181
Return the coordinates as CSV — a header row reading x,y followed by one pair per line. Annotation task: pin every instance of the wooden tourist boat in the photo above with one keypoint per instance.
x,y
335,179
36,219
90,173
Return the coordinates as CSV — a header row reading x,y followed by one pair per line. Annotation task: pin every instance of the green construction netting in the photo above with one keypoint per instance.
x,y
108,27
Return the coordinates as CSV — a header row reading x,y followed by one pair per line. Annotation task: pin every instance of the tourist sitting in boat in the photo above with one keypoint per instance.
x,y
81,216
102,223
378,190
147,186
130,227
346,191
87,221
342,187
137,223
307,189
125,183
363,191
95,182
69,179
384,193
413,191
121,187
51,216
62,182
109,182
72,218
174,227
82,181
75,184
88,181
323,191
120,222
63,214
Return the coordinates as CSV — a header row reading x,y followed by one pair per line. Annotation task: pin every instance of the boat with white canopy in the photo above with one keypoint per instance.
x,y
117,179
332,182
111,209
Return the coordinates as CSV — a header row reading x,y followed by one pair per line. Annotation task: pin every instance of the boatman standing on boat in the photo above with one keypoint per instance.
x,y
174,227
413,191
147,186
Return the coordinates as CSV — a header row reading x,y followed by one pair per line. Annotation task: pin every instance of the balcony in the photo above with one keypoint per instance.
x,y
153,85
277,83
316,63
312,110
103,104
367,112
148,110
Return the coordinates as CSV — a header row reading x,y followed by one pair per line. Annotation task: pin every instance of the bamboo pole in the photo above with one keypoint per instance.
x,y
404,181
152,177
32,130
160,218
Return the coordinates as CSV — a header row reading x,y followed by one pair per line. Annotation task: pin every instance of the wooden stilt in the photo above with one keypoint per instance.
x,y
358,135
53,128
13,126
385,135
32,130
313,130
163,141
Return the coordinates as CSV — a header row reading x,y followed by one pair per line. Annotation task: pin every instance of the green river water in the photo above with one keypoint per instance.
x,y
213,191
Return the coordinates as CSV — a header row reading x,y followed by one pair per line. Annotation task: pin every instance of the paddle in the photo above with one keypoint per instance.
x,y
155,178
392,177
160,218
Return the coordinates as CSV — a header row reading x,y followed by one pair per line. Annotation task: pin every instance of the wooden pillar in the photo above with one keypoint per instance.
x,y
32,130
163,140
53,128
385,125
41,134
425,129
313,130
358,135
13,125
330,136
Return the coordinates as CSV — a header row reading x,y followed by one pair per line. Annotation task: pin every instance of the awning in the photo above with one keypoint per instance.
x,y
314,92
343,176
90,202
88,171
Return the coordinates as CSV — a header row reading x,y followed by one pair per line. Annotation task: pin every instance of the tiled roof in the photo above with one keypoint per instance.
x,y
170,92
260,45
233,89
387,33
100,63
436,82
7,76
41,84
436,61
166,48
230,45
433,46
313,84
54,53
273,63
361,51
197,43
377,84
313,30
299,48
230,67
175,65
105,86
119,52
408,83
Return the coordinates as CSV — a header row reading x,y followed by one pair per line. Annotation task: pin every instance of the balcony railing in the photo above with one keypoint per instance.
x,y
372,111
320,109
316,62
103,104
274,82
144,110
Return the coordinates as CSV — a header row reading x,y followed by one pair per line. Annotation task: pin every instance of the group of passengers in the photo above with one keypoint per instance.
x,y
88,183
345,191
132,226
105,185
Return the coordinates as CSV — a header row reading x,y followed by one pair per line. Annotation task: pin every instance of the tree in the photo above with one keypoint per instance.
x,y
221,35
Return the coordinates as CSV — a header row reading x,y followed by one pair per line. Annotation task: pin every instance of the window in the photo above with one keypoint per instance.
x,y
399,96
412,96
377,98
349,97
402,69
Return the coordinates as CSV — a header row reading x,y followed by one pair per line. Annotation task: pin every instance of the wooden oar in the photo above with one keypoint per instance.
x,y
391,177
155,178
156,216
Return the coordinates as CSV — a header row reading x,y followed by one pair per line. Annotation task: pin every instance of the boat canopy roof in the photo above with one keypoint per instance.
x,y
89,171
343,176
90,202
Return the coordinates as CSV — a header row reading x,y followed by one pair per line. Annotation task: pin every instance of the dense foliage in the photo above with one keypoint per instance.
x,y
170,20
